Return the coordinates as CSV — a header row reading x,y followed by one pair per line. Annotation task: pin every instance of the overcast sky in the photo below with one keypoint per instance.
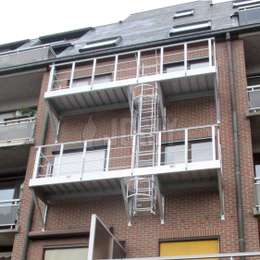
x,y
29,19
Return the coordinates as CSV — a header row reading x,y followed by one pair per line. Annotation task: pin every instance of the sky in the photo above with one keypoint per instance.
x,y
30,19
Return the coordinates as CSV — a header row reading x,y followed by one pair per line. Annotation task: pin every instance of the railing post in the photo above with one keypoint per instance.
x,y
210,51
159,149
60,157
72,73
115,67
83,159
93,71
185,57
108,154
133,152
138,64
51,77
186,147
161,60
37,162
213,135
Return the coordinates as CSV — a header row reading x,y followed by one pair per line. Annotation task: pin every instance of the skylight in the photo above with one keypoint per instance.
x,y
245,2
101,44
190,28
183,13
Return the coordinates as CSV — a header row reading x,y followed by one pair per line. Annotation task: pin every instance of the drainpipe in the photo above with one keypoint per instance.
x,y
239,199
28,224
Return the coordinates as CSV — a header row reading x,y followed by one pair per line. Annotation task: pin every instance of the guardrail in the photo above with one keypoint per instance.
x,y
9,212
179,147
224,256
253,98
139,64
17,130
26,55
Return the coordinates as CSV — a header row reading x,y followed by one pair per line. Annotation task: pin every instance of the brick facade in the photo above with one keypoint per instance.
x,y
188,214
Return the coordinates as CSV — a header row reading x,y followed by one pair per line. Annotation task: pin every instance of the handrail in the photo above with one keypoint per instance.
x,y
129,136
132,52
16,121
9,201
197,257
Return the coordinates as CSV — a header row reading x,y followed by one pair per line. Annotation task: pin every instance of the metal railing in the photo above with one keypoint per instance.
x,y
253,98
179,147
26,55
9,212
135,65
17,130
224,256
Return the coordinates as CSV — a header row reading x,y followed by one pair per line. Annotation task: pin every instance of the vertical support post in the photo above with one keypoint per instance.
x,y
138,64
161,60
186,148
51,78
133,152
37,162
115,67
85,145
214,52
108,154
185,57
72,73
159,149
93,71
45,215
210,52
60,157
213,133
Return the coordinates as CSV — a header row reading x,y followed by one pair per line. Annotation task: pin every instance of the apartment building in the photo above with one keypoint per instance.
x,y
135,139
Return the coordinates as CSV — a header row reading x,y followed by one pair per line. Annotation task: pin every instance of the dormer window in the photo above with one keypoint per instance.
x,y
183,13
190,28
101,44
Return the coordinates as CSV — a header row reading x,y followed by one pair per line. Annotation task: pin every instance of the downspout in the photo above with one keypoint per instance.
x,y
32,205
238,183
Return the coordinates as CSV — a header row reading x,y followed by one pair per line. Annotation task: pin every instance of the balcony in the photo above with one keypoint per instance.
x,y
254,98
26,56
183,68
17,132
8,214
182,158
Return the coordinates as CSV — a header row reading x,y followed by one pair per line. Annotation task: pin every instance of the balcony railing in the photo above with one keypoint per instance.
x,y
140,66
195,148
8,213
17,131
223,256
254,98
26,56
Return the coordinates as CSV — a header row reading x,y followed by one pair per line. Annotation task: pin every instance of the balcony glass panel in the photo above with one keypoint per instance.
x,y
201,151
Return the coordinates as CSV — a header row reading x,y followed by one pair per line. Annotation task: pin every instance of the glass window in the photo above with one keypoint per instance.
x,y
71,162
7,193
201,151
80,253
81,82
257,170
102,78
174,154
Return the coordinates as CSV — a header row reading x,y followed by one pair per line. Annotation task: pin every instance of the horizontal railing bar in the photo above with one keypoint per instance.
x,y
132,52
209,256
8,201
18,121
130,136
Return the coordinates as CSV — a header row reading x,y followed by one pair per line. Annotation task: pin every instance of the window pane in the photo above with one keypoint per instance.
x,y
174,154
71,163
81,82
201,151
7,194
95,160
68,253
257,170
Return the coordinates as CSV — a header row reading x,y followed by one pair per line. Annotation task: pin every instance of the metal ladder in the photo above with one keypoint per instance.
x,y
143,192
